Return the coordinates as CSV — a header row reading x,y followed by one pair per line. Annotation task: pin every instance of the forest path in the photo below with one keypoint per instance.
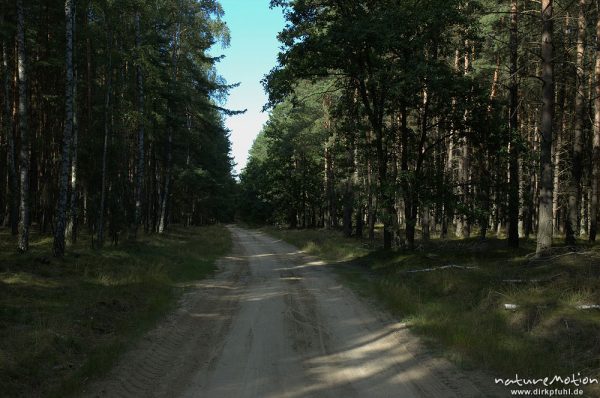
x,y
274,323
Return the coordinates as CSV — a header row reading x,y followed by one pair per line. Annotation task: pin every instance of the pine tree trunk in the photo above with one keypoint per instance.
x,y
107,124
409,214
140,138
571,229
24,153
425,224
63,181
162,224
349,190
13,183
359,220
513,189
329,188
596,143
463,224
370,208
544,236
558,149
73,222
169,149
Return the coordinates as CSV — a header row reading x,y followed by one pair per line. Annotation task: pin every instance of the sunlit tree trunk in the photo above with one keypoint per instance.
x,y
544,236
577,149
73,221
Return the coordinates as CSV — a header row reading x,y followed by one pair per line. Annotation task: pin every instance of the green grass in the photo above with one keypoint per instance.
x,y
321,243
66,321
461,312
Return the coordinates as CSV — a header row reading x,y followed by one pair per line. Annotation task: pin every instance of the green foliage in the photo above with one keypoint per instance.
x,y
285,169
182,97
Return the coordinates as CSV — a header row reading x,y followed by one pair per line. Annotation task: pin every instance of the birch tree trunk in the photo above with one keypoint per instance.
x,y
63,180
544,236
24,153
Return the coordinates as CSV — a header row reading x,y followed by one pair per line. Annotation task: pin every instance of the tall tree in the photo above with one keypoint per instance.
x,y
63,182
513,120
24,153
107,130
571,225
164,202
595,200
139,180
7,119
545,230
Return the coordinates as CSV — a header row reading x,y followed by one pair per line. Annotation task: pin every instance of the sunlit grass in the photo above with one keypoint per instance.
x,y
321,244
462,312
65,321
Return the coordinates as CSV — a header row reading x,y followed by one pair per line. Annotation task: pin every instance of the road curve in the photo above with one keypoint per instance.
x,y
275,323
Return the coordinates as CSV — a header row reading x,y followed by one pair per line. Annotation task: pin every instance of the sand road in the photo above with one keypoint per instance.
x,y
275,323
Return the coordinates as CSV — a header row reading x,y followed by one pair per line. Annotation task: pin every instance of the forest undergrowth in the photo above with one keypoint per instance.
x,y
66,321
479,302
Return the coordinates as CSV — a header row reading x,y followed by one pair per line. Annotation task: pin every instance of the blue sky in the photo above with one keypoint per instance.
x,y
251,54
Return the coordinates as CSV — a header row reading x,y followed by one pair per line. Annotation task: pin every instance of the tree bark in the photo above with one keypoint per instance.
x,y
544,236
572,218
409,215
463,223
596,143
349,190
73,222
13,183
558,149
107,124
370,207
63,181
24,153
513,190
139,180
169,149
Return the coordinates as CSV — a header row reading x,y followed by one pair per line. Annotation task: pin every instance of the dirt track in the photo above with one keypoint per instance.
x,y
274,323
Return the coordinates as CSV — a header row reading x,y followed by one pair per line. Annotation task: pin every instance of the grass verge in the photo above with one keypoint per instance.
x,y
462,310
65,321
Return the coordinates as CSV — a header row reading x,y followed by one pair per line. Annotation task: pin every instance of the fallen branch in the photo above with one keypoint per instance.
x,y
581,307
572,251
588,307
531,280
439,268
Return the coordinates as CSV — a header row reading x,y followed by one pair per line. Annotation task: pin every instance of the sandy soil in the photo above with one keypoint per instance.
x,y
275,323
